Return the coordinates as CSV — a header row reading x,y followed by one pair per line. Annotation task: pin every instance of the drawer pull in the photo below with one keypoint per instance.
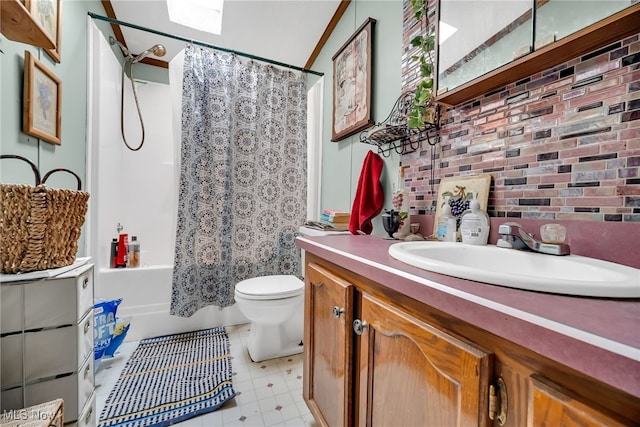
x,y
359,326
85,283
87,419
87,370
87,326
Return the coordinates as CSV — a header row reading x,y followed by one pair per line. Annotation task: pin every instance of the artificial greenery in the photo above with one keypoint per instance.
x,y
425,42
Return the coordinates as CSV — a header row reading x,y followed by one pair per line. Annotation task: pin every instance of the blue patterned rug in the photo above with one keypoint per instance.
x,y
171,378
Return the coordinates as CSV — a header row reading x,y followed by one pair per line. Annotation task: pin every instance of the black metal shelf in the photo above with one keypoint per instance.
x,y
393,134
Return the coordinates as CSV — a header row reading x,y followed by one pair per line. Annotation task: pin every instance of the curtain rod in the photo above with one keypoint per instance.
x,y
199,43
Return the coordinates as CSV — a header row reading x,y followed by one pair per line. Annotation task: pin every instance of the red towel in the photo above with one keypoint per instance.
x,y
369,195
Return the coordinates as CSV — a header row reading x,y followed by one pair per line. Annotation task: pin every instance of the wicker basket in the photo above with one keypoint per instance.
x,y
48,414
39,226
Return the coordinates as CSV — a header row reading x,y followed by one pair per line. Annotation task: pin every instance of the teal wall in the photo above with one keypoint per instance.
x,y
342,161
72,71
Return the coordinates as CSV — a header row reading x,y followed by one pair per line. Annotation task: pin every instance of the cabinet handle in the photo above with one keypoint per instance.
x,y
85,283
86,327
87,370
87,419
359,326
337,311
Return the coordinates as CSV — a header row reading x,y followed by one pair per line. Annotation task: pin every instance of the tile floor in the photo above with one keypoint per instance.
x,y
268,393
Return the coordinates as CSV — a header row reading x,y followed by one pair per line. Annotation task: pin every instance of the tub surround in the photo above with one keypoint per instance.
x,y
146,292
596,338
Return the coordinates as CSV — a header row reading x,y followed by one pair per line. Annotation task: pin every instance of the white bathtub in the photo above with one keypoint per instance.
x,y
146,296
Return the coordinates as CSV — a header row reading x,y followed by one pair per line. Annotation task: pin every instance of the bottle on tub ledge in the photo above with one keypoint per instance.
x,y
123,242
113,257
118,249
133,253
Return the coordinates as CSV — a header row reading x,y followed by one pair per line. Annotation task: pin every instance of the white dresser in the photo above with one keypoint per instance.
x,y
46,348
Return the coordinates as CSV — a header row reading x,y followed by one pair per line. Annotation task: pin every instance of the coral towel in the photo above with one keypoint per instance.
x,y
369,195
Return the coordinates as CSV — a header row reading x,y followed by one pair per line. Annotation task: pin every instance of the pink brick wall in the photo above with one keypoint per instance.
x,y
562,144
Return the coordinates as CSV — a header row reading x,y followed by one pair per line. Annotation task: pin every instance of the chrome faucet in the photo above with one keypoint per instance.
x,y
514,237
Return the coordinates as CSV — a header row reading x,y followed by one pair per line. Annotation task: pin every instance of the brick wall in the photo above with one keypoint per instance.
x,y
562,144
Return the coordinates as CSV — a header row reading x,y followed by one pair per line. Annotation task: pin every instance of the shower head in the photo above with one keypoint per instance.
x,y
157,50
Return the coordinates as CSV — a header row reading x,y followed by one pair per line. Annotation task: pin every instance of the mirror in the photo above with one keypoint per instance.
x,y
475,38
556,19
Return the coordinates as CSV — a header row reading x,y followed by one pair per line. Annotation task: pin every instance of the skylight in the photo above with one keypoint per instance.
x,y
446,31
203,15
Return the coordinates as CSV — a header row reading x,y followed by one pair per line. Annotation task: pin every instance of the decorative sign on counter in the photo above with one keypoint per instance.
x,y
460,191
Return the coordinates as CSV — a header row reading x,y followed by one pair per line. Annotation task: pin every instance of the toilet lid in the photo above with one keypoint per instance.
x,y
270,287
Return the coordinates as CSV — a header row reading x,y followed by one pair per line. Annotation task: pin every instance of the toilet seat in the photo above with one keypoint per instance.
x,y
270,287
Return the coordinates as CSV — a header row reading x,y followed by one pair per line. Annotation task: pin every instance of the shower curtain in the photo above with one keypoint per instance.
x,y
242,188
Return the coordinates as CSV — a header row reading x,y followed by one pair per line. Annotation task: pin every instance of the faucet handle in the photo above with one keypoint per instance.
x,y
513,224
507,228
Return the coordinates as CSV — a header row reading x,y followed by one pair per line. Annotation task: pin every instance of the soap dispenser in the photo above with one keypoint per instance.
x,y
474,225
446,223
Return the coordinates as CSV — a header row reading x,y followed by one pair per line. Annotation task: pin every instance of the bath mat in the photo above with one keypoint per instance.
x,y
171,378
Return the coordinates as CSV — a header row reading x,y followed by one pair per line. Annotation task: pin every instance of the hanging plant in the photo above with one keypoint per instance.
x,y
421,111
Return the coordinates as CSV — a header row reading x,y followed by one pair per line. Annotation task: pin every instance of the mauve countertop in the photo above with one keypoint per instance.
x,y
600,337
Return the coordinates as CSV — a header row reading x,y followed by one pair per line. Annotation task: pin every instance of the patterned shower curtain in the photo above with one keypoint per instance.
x,y
242,191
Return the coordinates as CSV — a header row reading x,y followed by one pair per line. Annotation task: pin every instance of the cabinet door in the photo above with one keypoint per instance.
x,y
412,374
328,340
551,405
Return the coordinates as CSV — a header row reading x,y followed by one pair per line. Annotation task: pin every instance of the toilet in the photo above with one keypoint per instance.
x,y
275,307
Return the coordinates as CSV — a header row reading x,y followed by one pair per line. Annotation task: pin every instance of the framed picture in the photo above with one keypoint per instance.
x,y
42,101
47,13
352,83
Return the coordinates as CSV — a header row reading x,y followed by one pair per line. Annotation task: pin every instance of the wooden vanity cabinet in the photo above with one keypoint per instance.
x,y
398,371
328,346
411,374
373,357
551,405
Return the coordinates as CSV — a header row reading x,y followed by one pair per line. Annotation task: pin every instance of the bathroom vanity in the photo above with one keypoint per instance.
x,y
389,344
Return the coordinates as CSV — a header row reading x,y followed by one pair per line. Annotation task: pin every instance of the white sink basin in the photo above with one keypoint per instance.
x,y
570,274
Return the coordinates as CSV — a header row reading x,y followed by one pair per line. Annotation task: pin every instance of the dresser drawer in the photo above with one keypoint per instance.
x,y
84,337
11,304
49,352
89,416
75,390
11,361
62,300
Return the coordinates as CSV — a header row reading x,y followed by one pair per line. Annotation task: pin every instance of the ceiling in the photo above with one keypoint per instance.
x,y
287,31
